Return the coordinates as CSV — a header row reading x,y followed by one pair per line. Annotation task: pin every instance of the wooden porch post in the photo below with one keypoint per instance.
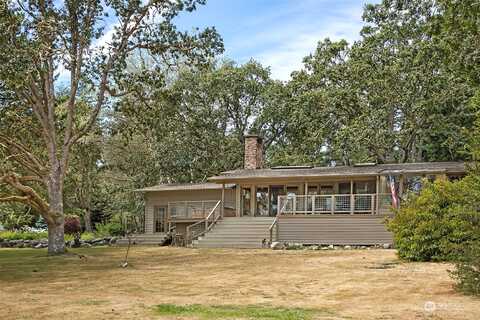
x,y
377,187
222,209
238,200
253,200
305,201
352,198
400,187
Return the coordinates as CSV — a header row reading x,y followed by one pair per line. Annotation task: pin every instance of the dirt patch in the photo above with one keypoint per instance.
x,y
356,284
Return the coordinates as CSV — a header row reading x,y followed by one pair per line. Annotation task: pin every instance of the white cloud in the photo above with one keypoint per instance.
x,y
287,45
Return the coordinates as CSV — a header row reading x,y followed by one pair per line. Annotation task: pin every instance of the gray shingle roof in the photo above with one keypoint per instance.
x,y
341,171
184,187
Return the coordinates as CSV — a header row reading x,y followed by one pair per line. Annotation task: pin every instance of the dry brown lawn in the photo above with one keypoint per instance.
x,y
357,284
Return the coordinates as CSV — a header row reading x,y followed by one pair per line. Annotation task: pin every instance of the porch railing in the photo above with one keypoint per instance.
x,y
203,226
334,204
190,209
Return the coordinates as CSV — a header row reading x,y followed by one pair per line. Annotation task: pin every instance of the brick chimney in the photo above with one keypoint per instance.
x,y
253,152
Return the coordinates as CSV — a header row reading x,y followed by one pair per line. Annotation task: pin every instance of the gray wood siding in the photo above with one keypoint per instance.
x,y
162,198
149,218
335,229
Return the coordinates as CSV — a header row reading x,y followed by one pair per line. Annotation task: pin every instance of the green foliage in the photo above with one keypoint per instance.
x,y
88,236
467,272
112,228
440,222
15,216
235,312
23,235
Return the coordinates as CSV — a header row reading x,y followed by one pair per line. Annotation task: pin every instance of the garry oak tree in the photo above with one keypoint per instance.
x,y
59,55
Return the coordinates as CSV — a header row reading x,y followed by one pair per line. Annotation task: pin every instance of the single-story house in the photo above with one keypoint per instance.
x,y
344,205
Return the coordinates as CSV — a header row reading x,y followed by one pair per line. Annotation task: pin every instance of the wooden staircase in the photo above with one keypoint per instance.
x,y
238,232
144,239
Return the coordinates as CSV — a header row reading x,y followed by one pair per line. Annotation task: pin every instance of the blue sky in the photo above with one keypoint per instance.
x,y
277,33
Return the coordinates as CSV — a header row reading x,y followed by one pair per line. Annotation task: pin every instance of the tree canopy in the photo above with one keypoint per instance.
x,y
89,104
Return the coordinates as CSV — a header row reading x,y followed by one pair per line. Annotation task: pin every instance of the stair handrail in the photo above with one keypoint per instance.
x,y
270,229
275,221
189,233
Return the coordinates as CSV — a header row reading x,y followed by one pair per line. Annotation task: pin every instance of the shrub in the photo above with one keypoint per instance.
x,y
15,216
87,236
440,222
467,271
109,229
72,225
23,235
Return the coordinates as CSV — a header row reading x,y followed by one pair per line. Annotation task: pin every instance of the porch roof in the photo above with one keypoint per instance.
x,y
340,171
184,187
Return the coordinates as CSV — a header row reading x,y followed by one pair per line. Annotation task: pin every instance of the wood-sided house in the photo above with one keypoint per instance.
x,y
301,204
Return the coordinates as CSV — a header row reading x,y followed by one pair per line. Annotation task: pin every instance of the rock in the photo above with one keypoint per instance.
x,y
86,245
38,246
276,245
113,240
324,248
347,247
314,248
294,246
386,246
331,247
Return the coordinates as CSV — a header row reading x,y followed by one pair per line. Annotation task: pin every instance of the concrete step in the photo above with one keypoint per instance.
x,y
224,233
244,232
235,245
232,241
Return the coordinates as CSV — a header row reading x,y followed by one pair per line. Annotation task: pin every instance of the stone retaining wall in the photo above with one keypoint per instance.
x,y
43,243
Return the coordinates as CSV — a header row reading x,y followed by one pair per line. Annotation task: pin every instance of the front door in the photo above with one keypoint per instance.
x,y
160,219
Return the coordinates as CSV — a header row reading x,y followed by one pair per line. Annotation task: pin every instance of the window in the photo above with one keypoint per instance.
x,y
262,201
326,189
292,190
344,188
454,177
413,184
246,197
275,191
364,187
312,190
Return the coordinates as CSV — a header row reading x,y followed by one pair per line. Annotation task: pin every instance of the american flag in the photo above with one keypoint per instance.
x,y
393,191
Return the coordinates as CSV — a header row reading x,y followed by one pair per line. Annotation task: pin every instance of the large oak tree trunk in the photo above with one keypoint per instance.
x,y
87,217
56,237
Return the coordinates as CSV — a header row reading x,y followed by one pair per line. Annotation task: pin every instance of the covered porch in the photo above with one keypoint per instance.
x,y
362,195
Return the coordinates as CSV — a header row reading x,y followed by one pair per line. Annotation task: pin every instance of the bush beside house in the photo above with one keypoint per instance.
x,y
442,223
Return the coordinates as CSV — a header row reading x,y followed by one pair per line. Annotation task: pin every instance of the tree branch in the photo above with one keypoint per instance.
x,y
26,195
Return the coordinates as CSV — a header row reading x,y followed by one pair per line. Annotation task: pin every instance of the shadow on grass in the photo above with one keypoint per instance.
x,y
198,311
21,264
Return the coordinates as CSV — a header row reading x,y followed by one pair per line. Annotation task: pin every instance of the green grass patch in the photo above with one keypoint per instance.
x,y
92,302
237,312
